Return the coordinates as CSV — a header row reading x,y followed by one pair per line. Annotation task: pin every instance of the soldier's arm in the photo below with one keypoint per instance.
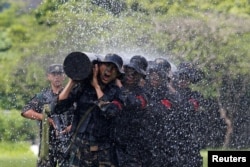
x,y
95,83
31,114
66,91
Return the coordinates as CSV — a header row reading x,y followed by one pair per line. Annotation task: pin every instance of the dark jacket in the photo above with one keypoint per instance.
x,y
128,128
98,123
173,129
128,122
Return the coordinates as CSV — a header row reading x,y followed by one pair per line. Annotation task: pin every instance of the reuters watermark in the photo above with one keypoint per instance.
x,y
228,158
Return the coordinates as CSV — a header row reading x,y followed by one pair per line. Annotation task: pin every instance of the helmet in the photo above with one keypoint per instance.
x,y
55,68
139,63
185,66
162,64
155,68
193,74
114,58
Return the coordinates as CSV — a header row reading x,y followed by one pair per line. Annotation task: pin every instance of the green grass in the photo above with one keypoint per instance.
x,y
16,155
18,162
204,155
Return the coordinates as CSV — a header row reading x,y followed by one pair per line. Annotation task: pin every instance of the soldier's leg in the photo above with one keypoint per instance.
x,y
128,158
105,154
80,154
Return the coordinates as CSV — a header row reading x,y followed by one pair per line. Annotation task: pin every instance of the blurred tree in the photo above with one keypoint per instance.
x,y
15,128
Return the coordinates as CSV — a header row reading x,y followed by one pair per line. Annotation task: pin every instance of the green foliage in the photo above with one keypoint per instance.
x,y
15,128
31,82
6,17
45,11
5,42
115,7
19,33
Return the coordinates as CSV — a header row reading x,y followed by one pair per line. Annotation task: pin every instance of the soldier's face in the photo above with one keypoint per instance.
x,y
108,72
154,79
56,79
131,76
183,81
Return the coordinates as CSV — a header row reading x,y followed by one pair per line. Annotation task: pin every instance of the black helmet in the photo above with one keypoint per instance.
x,y
162,64
182,75
162,67
139,63
157,69
193,74
114,58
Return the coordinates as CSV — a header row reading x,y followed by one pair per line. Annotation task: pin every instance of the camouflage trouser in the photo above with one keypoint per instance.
x,y
84,154
61,148
56,154
44,163
127,158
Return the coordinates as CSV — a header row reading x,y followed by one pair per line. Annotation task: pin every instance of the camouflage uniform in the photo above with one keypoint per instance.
x,y
55,143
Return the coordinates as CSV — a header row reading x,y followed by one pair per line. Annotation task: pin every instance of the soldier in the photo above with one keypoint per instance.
x,y
129,142
98,101
163,103
159,84
33,110
183,78
191,132
208,109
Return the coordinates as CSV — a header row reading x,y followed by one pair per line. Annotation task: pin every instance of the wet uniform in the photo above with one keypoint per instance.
x,y
93,142
191,132
159,129
56,143
174,128
129,138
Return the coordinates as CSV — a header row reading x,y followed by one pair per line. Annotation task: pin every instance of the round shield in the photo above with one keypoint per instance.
x,y
77,66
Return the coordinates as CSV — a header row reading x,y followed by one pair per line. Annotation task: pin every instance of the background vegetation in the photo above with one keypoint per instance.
x,y
213,34
16,155
14,128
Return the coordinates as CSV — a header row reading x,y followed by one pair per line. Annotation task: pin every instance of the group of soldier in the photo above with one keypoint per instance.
x,y
138,114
